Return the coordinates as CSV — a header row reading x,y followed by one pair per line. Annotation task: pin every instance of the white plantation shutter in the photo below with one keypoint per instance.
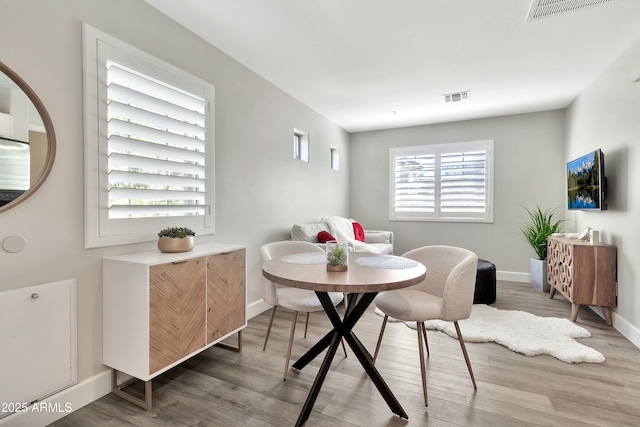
x,y
463,183
156,147
149,145
414,184
446,182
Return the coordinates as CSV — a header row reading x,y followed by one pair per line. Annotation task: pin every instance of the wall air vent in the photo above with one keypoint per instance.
x,y
456,96
545,8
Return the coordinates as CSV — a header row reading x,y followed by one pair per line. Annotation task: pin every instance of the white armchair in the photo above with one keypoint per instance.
x,y
446,294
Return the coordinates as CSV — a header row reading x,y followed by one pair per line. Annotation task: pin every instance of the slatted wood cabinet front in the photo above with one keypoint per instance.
x,y
160,309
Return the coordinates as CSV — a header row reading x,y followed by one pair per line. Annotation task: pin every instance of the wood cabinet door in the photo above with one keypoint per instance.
x,y
595,275
177,312
560,266
226,303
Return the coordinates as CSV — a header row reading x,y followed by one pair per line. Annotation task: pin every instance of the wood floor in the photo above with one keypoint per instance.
x,y
224,388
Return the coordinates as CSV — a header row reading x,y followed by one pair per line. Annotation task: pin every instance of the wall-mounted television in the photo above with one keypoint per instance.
x,y
586,183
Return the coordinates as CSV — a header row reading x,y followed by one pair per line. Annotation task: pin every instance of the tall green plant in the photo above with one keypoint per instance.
x,y
542,225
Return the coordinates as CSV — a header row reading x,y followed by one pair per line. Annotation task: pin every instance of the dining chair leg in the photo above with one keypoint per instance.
x,y
384,324
420,327
293,331
426,342
306,324
466,356
266,338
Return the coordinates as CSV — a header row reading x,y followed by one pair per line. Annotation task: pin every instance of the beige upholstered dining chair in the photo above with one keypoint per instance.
x,y
296,300
446,294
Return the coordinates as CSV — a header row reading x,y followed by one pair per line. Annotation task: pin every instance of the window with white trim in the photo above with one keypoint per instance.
x,y
301,145
148,145
444,182
335,158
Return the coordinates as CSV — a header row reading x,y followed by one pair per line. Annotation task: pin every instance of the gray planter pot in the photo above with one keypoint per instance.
x,y
538,274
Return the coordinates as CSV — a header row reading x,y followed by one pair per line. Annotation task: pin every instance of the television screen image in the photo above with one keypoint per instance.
x,y
585,179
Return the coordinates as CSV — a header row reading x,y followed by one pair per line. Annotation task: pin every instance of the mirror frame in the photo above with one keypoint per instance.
x,y
51,137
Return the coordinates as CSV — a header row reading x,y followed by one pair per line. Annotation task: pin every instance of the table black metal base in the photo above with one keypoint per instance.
x,y
356,306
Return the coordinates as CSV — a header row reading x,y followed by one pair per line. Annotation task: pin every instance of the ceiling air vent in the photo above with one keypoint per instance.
x,y
545,8
457,96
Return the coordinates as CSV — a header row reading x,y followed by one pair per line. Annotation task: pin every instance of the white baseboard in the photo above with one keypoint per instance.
x,y
513,276
621,325
256,308
629,331
46,411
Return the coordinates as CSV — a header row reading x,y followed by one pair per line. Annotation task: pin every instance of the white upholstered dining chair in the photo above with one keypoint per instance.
x,y
296,300
446,294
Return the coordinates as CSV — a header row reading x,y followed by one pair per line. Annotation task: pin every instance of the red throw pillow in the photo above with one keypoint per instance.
x,y
358,231
324,237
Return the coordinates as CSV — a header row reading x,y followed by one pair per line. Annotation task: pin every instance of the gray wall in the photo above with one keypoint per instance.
x,y
607,116
260,189
528,169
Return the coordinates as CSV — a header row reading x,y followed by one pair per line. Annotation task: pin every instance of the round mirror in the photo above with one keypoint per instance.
x,y
27,140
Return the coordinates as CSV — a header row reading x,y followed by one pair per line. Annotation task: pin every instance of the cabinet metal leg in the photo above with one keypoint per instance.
x,y
238,348
117,389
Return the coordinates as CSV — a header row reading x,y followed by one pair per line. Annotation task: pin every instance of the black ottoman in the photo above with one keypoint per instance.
x,y
485,283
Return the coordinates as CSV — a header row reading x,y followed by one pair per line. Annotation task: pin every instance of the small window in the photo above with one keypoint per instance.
x,y
335,159
148,146
300,145
446,182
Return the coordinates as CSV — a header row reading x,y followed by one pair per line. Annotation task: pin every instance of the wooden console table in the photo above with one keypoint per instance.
x,y
159,309
584,273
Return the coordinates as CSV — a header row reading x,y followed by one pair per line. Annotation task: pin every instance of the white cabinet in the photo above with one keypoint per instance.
x,y
159,309
37,341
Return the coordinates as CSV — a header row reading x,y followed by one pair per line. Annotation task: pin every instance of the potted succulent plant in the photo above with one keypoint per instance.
x,y
541,226
337,256
176,239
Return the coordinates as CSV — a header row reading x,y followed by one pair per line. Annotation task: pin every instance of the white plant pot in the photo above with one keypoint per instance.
x,y
538,274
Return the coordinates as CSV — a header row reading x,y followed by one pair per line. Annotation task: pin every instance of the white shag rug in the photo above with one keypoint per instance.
x,y
521,332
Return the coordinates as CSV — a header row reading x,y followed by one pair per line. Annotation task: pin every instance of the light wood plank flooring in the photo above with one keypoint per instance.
x,y
223,388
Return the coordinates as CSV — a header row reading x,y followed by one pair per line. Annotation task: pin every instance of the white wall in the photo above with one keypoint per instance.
x,y
260,189
607,116
529,169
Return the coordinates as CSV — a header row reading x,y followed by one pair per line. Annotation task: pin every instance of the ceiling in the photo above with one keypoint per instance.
x,y
376,64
